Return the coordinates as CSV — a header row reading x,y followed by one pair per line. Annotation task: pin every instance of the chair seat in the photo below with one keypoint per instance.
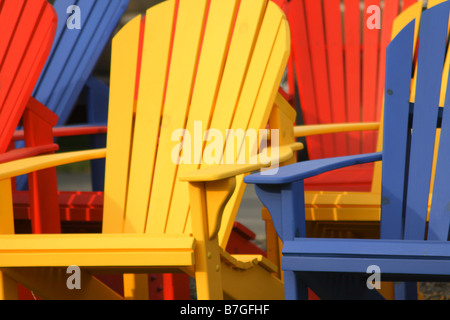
x,y
354,255
96,250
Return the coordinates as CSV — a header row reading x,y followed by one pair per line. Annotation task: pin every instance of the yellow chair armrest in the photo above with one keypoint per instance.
x,y
25,166
224,171
310,130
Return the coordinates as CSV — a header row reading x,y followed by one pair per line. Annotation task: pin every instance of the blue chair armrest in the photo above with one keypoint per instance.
x,y
306,169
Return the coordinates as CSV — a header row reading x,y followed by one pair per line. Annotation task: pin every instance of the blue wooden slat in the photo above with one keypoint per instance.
x,y
66,82
368,247
439,219
432,47
399,60
60,7
77,60
101,33
412,267
60,58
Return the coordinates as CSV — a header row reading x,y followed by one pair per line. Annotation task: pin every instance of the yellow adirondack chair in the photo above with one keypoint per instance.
x,y
193,65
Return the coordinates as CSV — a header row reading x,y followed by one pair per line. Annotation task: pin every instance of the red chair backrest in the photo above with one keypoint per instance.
x,y
337,63
27,31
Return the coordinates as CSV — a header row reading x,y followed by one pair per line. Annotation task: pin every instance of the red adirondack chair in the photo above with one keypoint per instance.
x,y
26,37
27,32
337,70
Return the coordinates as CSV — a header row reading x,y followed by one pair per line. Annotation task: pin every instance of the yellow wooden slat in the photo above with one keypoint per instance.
x,y
432,3
309,130
245,34
215,44
27,165
120,122
188,32
248,21
125,259
101,250
266,69
155,58
224,171
6,207
94,242
271,54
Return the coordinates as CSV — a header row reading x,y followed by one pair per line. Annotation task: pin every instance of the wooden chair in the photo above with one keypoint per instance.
x,y
413,244
209,61
66,79
28,29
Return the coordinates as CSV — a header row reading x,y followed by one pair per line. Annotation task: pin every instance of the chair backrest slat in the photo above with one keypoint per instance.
x,y
370,60
433,40
124,64
439,217
399,62
336,70
352,38
28,29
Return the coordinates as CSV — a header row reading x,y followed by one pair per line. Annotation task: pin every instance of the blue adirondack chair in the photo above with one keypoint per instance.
x,y
413,244
69,69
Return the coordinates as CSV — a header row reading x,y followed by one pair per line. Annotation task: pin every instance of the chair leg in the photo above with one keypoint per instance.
x,y
294,288
135,286
405,291
208,276
8,288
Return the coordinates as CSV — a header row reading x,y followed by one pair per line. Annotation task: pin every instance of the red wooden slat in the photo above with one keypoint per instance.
x,y
303,72
316,33
24,58
27,152
371,40
9,20
68,131
356,178
407,3
335,56
9,17
352,40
